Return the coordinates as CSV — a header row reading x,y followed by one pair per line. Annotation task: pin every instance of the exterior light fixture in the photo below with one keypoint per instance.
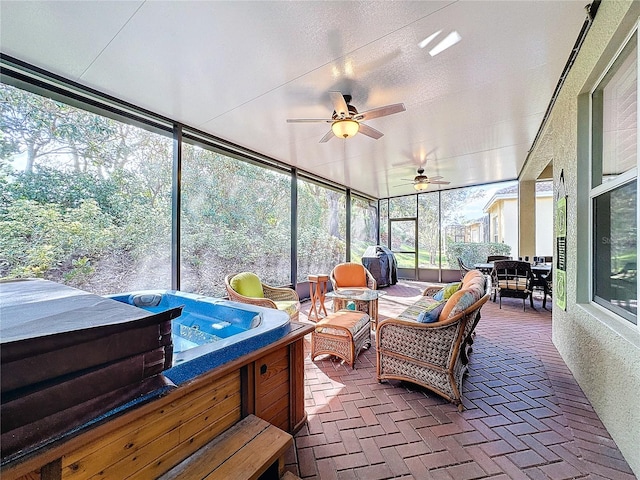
x,y
345,128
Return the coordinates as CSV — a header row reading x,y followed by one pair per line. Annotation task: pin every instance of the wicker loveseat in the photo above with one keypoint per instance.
x,y
434,355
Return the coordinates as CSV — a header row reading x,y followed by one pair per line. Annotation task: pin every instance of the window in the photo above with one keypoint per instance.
x,y
614,190
364,226
236,216
384,222
403,232
322,223
85,200
428,230
465,215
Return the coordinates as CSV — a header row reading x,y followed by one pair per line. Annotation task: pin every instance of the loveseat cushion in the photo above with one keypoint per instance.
x,y
458,303
432,313
470,275
422,304
447,291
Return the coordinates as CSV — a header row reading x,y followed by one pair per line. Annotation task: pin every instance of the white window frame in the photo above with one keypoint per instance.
x,y
618,181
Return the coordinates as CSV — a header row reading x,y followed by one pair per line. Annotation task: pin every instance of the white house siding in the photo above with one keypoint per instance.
x,y
544,226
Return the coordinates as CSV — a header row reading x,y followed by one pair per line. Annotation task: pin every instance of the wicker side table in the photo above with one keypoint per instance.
x,y
317,291
343,334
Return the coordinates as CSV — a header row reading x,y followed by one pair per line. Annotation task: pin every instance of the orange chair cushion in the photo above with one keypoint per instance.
x,y
350,275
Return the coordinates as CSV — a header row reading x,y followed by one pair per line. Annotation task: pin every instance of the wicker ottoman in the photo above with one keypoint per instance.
x,y
343,334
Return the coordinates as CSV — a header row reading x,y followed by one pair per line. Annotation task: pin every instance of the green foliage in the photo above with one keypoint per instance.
x,y
68,189
36,239
471,253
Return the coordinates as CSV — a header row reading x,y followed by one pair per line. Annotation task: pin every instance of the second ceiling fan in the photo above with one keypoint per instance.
x,y
346,121
421,181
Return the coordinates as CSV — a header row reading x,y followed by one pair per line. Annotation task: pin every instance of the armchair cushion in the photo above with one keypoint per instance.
x,y
247,284
291,307
350,275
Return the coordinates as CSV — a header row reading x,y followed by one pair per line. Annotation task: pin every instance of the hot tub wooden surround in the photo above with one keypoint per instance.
x,y
150,439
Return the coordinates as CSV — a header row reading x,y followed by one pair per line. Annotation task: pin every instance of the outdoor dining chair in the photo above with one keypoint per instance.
x,y
514,279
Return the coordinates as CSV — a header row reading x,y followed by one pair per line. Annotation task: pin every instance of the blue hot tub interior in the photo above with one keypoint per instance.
x,y
210,331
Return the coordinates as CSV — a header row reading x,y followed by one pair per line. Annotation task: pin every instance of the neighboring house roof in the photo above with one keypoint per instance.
x,y
543,189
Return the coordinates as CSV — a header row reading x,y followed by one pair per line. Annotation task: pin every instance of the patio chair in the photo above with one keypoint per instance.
x,y
493,258
463,268
246,287
514,279
545,283
351,275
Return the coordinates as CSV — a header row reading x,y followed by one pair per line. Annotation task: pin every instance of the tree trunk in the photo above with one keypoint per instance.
x,y
334,223
31,158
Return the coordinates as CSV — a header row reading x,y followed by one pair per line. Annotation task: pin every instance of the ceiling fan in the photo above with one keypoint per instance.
x,y
346,121
421,181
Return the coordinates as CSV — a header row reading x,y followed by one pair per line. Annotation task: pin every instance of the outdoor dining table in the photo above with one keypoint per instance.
x,y
539,271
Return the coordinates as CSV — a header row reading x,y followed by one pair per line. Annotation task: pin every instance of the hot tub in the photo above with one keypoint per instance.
x,y
210,331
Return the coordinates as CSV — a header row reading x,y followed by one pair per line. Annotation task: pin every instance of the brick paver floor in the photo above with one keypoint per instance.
x,y
525,416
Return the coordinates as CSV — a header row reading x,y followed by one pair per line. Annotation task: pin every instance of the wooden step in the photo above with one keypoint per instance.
x,y
247,450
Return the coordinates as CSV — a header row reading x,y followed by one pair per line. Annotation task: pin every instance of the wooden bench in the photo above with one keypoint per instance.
x,y
251,449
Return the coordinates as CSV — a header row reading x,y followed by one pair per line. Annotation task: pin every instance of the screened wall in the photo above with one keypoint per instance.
x,y
110,199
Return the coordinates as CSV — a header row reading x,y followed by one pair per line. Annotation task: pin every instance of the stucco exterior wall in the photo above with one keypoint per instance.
x,y
602,351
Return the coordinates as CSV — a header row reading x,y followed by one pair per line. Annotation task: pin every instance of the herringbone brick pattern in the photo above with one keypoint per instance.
x,y
525,416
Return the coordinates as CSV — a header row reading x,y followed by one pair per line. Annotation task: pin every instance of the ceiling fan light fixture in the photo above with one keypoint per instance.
x,y
421,186
345,128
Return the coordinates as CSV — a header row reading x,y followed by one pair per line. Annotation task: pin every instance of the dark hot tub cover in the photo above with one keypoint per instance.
x,y
69,355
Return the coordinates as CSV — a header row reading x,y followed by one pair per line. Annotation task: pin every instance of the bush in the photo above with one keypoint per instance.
x,y
471,253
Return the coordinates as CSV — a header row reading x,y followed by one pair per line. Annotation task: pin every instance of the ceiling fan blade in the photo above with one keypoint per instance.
x,y
381,111
328,136
403,184
436,178
439,182
369,131
339,104
308,120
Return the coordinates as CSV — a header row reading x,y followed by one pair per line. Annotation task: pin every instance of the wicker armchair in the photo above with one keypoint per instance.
x,y
352,275
280,298
433,355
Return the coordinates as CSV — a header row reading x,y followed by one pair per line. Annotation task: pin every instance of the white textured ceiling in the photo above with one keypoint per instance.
x,y
239,69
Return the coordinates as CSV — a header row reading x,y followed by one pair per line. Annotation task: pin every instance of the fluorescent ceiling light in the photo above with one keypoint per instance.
x,y
450,40
427,40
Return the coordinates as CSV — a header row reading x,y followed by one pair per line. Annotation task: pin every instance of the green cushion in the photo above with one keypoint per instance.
x,y
448,290
287,306
247,284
